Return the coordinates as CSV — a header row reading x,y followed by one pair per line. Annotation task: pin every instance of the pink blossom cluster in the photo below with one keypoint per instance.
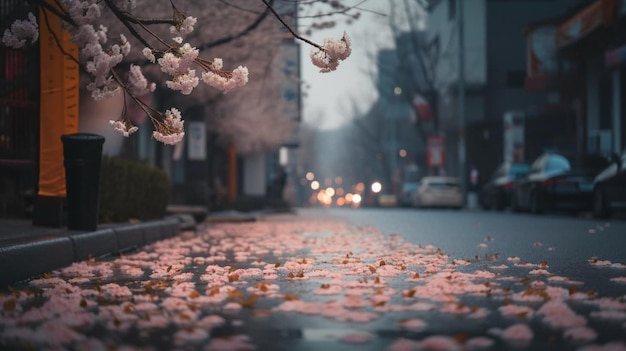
x,y
328,56
171,130
99,56
178,63
224,81
138,84
101,53
20,32
123,127
185,27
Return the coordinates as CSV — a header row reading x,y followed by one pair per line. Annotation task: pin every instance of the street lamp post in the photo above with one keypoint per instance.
x,y
461,105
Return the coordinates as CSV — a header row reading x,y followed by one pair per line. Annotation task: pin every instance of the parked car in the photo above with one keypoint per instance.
x,y
497,192
408,192
555,182
609,190
439,191
387,200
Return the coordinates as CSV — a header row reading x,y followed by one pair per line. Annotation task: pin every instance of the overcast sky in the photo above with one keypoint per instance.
x,y
330,96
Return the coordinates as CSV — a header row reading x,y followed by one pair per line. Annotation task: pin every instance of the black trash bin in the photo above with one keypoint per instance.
x,y
82,153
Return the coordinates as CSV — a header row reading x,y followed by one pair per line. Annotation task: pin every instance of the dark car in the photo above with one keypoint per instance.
x,y
609,191
555,182
408,191
497,192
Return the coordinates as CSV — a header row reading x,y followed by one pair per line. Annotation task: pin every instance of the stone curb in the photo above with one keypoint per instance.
x,y
24,259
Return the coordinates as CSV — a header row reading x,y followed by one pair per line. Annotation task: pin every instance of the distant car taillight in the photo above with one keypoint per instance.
x,y
509,185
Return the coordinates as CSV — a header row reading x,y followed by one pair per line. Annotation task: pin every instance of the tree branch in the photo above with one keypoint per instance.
x,y
57,41
55,10
294,34
121,16
244,32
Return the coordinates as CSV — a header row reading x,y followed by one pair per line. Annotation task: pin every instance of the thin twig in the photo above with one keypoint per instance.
x,y
57,41
119,14
145,107
230,38
59,13
295,35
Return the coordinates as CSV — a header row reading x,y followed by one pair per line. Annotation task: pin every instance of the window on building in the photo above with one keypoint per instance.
x,y
451,9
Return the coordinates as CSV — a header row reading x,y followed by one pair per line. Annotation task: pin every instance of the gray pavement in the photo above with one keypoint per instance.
x,y
27,250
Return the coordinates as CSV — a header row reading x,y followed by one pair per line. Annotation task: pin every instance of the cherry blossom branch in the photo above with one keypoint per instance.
x,y
63,15
169,126
293,33
244,32
118,13
326,57
101,57
56,39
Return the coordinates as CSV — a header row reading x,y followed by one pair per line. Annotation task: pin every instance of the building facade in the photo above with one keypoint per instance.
x,y
586,74
494,68
19,122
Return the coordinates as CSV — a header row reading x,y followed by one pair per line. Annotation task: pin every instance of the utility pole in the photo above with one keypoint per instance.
x,y
461,97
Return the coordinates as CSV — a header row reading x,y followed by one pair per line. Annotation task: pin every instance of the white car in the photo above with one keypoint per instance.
x,y
439,191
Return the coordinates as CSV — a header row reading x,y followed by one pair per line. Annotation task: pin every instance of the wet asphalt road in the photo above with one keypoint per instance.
x,y
564,241
565,246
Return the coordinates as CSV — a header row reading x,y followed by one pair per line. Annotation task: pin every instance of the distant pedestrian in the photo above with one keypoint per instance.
x,y
278,183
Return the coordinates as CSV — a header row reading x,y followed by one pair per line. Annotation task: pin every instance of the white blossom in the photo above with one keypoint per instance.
x,y
125,45
185,83
138,83
218,63
178,64
169,63
121,128
20,32
83,12
185,27
171,130
226,82
333,51
169,139
147,52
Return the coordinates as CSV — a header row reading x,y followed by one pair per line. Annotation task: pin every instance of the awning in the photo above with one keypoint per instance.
x,y
599,13
541,51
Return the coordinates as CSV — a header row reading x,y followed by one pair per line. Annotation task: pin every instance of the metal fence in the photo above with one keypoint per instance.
x,y
19,115
19,91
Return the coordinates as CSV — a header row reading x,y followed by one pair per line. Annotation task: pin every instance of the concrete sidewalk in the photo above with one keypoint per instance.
x,y
27,250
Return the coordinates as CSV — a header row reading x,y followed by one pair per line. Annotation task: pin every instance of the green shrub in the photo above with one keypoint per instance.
x,y
131,190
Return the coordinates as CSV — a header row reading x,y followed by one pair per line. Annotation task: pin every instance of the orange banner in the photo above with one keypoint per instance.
x,y
600,12
58,101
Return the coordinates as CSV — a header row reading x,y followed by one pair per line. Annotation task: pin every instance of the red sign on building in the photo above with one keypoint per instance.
x,y
435,152
422,109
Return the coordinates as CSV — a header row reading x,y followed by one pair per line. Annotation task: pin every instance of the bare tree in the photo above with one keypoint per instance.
x,y
420,60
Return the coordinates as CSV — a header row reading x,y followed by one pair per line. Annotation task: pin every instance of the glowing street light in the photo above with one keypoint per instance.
x,y
310,176
315,185
376,187
330,192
